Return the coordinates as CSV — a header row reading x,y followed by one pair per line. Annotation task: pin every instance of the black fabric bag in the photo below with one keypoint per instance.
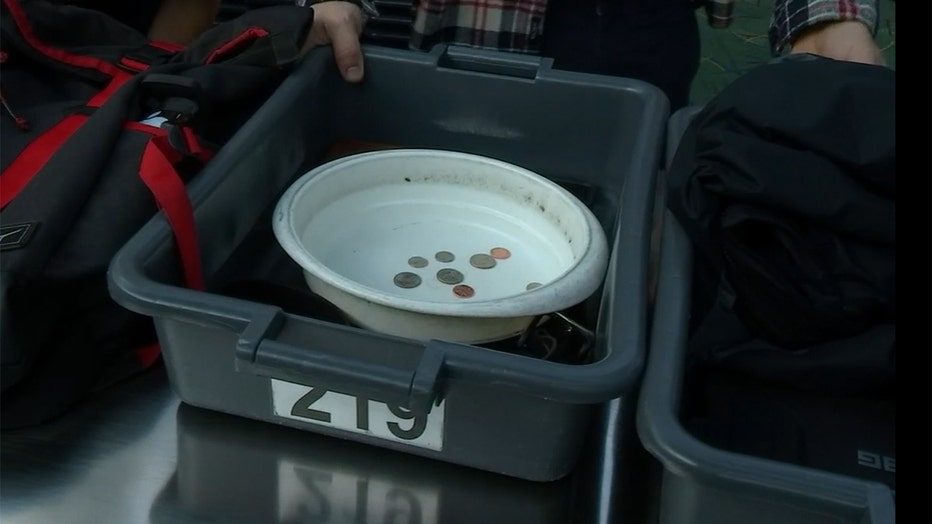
x,y
101,129
786,184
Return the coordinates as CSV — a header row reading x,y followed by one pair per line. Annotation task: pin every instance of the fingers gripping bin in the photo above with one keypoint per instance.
x,y
702,483
482,407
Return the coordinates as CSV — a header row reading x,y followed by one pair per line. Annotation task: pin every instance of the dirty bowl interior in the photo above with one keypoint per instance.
x,y
439,244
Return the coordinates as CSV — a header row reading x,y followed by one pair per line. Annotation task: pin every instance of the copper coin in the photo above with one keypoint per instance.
x,y
407,280
444,256
500,253
463,291
417,262
482,261
449,276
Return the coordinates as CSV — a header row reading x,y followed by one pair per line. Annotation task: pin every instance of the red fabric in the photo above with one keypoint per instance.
x,y
116,83
87,62
18,174
135,65
239,42
35,156
166,46
147,355
159,175
194,145
156,168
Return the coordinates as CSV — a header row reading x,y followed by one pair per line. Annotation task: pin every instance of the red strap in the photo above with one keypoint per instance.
x,y
167,46
169,191
237,43
194,145
25,29
34,157
133,65
116,83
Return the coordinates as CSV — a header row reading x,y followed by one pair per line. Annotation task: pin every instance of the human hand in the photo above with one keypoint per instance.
x,y
339,24
842,40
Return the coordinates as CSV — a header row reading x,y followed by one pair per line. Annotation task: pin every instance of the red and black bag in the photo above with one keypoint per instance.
x,y
101,129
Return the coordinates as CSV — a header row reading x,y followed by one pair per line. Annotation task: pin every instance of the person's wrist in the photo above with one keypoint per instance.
x,y
809,39
369,9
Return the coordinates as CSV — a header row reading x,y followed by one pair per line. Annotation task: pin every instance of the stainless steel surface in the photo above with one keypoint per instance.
x,y
135,454
105,462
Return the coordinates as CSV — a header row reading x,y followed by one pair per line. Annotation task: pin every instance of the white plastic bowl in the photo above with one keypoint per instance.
x,y
355,223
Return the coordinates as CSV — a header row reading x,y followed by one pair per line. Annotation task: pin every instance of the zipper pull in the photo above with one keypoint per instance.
x,y
21,122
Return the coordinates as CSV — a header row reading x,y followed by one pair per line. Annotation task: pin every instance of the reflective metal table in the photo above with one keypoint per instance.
x,y
135,454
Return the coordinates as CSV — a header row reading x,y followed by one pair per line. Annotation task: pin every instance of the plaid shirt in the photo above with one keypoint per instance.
x,y
517,25
791,17
507,25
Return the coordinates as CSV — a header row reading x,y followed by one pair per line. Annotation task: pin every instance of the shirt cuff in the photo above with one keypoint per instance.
x,y
791,17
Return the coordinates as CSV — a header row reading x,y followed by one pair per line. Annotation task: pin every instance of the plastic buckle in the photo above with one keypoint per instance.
x,y
179,98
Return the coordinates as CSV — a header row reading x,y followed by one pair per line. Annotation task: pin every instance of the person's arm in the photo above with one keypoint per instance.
x,y
181,21
336,23
339,24
839,29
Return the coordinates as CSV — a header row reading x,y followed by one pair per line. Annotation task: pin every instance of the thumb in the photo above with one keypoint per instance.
x,y
347,51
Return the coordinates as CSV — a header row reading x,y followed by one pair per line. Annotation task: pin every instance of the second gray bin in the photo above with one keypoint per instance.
x,y
705,484
488,409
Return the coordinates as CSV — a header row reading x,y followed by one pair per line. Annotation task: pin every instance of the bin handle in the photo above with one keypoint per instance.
x,y
405,372
408,376
463,58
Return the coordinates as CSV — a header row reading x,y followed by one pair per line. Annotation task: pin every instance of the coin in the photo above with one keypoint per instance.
x,y
444,256
417,262
500,253
533,285
449,276
407,280
463,291
482,261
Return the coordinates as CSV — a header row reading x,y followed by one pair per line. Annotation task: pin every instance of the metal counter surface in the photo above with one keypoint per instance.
x,y
135,454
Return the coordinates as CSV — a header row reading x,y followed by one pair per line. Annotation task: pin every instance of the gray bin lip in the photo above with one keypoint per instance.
x,y
612,376
683,455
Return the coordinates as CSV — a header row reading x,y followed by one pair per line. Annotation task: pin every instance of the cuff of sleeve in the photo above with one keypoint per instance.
x,y
791,17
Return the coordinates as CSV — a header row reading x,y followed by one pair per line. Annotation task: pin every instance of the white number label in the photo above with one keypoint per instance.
x,y
323,407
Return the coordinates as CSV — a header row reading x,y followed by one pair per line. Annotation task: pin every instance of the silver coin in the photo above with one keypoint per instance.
x,y
449,276
407,280
482,261
533,285
444,256
417,262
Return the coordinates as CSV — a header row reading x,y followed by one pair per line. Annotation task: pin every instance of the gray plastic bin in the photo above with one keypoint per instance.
x,y
489,409
704,484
